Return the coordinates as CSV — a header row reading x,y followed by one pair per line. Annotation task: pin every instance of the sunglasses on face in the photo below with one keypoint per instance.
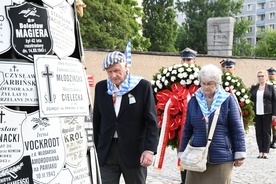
x,y
228,66
259,76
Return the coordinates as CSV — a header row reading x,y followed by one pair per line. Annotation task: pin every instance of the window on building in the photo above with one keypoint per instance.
x,y
262,17
249,18
271,4
249,40
260,28
272,15
249,7
272,26
250,30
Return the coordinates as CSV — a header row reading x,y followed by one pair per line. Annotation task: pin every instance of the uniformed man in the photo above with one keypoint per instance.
x,y
188,56
272,79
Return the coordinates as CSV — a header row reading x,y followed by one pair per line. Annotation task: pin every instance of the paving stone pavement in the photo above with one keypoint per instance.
x,y
253,171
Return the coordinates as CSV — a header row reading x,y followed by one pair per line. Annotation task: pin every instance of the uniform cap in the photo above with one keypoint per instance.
x,y
188,53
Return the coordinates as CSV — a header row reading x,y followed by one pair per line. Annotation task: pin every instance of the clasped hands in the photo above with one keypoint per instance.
x,y
146,158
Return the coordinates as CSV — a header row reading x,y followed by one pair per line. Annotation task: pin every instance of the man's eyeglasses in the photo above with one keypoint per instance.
x,y
259,76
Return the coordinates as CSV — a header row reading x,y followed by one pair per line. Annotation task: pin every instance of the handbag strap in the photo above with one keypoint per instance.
x,y
213,126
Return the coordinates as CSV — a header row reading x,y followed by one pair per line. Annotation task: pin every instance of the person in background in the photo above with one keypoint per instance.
x,y
227,148
272,80
228,65
263,96
188,56
125,123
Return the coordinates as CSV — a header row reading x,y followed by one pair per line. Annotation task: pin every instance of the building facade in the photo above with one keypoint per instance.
x,y
263,15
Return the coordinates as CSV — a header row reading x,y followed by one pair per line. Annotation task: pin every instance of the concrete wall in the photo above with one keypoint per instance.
x,y
147,64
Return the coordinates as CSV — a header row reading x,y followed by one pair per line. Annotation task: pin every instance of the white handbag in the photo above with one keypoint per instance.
x,y
195,158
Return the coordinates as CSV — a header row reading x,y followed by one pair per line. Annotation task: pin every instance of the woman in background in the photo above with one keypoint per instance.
x,y
264,97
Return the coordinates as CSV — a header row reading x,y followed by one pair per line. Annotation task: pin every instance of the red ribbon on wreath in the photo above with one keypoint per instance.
x,y
171,107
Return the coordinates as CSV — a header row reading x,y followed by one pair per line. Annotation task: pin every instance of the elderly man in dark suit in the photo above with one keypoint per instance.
x,y
125,123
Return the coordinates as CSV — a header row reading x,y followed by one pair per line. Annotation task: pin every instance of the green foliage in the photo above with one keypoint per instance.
x,y
266,44
109,24
240,45
198,12
159,24
233,83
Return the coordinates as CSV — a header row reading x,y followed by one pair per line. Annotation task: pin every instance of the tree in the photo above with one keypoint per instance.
x,y
265,46
159,24
197,13
109,24
240,45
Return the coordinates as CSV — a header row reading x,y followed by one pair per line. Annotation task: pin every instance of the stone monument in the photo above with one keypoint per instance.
x,y
220,32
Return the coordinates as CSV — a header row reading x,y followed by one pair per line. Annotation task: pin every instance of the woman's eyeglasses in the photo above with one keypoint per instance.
x,y
259,76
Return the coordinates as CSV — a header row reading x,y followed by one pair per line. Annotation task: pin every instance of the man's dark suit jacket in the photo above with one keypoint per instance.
x,y
269,98
136,124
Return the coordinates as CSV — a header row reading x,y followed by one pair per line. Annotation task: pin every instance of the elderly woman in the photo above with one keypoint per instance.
x,y
227,148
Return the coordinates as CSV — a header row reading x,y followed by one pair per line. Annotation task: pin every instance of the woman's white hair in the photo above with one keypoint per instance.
x,y
210,72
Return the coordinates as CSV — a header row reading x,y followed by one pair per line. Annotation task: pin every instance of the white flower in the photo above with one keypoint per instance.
x,y
242,99
227,89
185,74
174,72
196,82
152,82
160,86
238,93
189,81
233,80
227,73
170,68
180,70
191,77
185,65
192,65
155,90
226,83
165,71
158,83
238,84
243,90
163,78
159,76
247,101
166,82
177,66
195,74
245,96
168,74
180,75
196,70
182,82
189,69
232,87
228,78
173,78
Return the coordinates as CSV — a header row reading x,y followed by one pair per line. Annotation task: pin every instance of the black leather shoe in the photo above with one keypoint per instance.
x,y
273,146
259,156
265,157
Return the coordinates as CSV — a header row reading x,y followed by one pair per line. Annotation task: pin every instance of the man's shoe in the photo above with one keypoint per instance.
x,y
273,146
